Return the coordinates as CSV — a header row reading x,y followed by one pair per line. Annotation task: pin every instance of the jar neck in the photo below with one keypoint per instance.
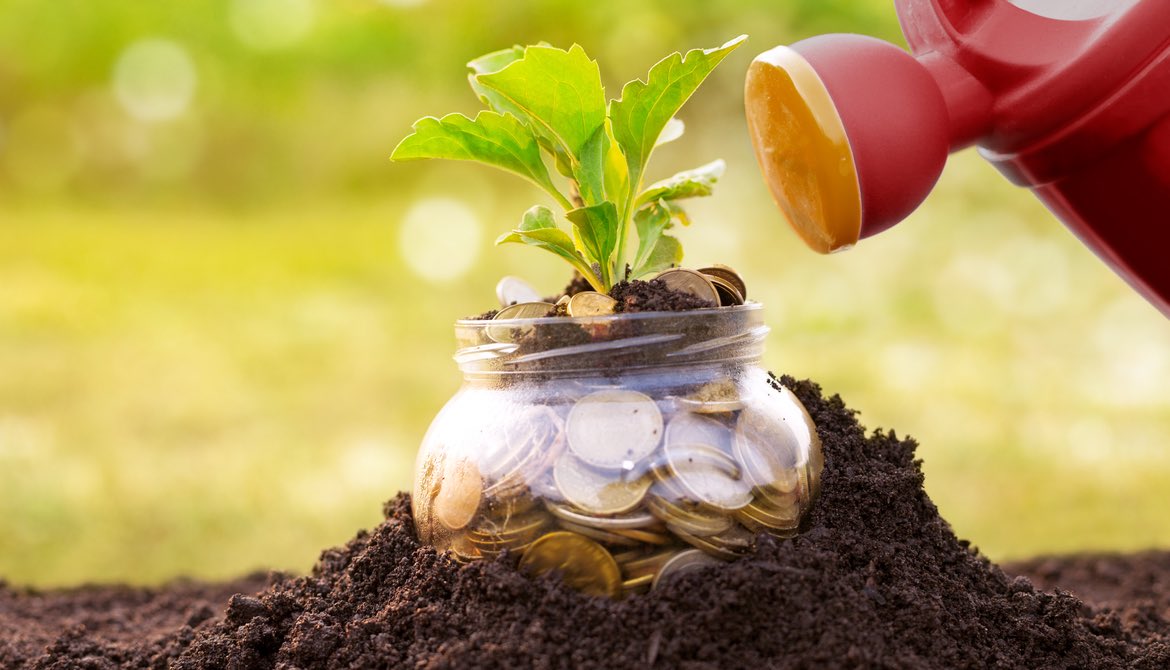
x,y
644,343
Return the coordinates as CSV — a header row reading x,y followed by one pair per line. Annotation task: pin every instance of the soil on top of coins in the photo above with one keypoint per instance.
x,y
878,580
633,295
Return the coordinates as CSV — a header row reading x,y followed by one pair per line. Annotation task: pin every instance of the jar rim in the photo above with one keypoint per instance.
x,y
641,340
747,307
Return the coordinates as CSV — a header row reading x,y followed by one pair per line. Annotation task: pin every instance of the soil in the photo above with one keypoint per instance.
x,y
634,295
879,580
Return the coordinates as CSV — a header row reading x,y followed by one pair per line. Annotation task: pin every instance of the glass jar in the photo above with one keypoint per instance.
x,y
616,450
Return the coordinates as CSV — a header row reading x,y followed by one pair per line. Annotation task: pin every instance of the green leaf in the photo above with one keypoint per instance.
x,y
590,170
539,229
497,139
644,109
667,252
688,184
557,91
597,227
487,64
650,222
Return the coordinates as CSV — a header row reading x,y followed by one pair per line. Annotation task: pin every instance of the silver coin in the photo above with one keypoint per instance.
x,y
595,492
523,310
632,521
513,290
689,281
614,429
688,560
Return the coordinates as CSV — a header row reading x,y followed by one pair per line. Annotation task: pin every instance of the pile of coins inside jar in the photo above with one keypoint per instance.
x,y
617,491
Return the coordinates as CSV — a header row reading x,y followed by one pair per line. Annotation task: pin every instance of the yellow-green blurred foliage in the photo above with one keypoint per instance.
x,y
215,355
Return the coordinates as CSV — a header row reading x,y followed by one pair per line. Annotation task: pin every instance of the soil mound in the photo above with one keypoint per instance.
x,y
880,580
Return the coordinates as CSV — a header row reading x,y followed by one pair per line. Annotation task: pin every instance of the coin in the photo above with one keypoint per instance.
x,y
523,310
582,563
728,275
647,564
634,520
636,584
425,489
596,492
688,517
459,493
614,429
761,516
699,465
512,290
713,398
644,536
530,442
728,296
713,548
681,563
591,303
602,536
764,445
689,281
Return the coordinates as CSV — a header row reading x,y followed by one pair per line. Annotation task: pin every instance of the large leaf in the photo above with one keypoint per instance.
x,y
497,139
556,90
596,226
644,109
539,229
487,64
688,184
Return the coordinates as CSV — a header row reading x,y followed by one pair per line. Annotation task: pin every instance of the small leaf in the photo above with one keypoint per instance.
x,y
617,175
537,218
538,228
689,184
497,139
650,222
667,252
670,132
558,91
644,109
596,226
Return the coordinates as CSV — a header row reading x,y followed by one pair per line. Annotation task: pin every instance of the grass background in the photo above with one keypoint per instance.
x,y
223,333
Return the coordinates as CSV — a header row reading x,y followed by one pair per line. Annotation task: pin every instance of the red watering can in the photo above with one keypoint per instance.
x,y
1069,98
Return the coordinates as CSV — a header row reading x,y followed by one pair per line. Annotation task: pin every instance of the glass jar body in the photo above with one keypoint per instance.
x,y
619,458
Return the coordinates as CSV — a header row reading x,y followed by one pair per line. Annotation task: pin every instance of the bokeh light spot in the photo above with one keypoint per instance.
x,y
440,239
271,24
154,80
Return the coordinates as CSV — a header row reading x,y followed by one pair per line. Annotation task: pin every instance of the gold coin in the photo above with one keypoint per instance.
x,y
422,503
688,560
707,546
596,492
602,536
633,520
644,536
644,564
583,564
591,303
639,583
523,310
760,517
614,429
728,275
690,518
513,290
713,398
459,493
689,281
728,295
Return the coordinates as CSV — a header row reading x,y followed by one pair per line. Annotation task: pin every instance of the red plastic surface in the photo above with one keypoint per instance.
x,y
894,116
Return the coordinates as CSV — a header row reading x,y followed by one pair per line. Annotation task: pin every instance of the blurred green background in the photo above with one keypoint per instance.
x,y
216,354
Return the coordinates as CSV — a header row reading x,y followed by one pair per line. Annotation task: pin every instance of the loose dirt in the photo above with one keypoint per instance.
x,y
879,580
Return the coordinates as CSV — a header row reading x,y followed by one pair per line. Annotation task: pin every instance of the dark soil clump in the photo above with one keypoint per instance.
x,y
653,296
879,580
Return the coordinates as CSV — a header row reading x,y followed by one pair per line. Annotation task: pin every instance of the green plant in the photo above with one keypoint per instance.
x,y
549,104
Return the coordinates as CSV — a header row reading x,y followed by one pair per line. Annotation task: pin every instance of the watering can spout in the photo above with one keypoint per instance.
x,y
1066,99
